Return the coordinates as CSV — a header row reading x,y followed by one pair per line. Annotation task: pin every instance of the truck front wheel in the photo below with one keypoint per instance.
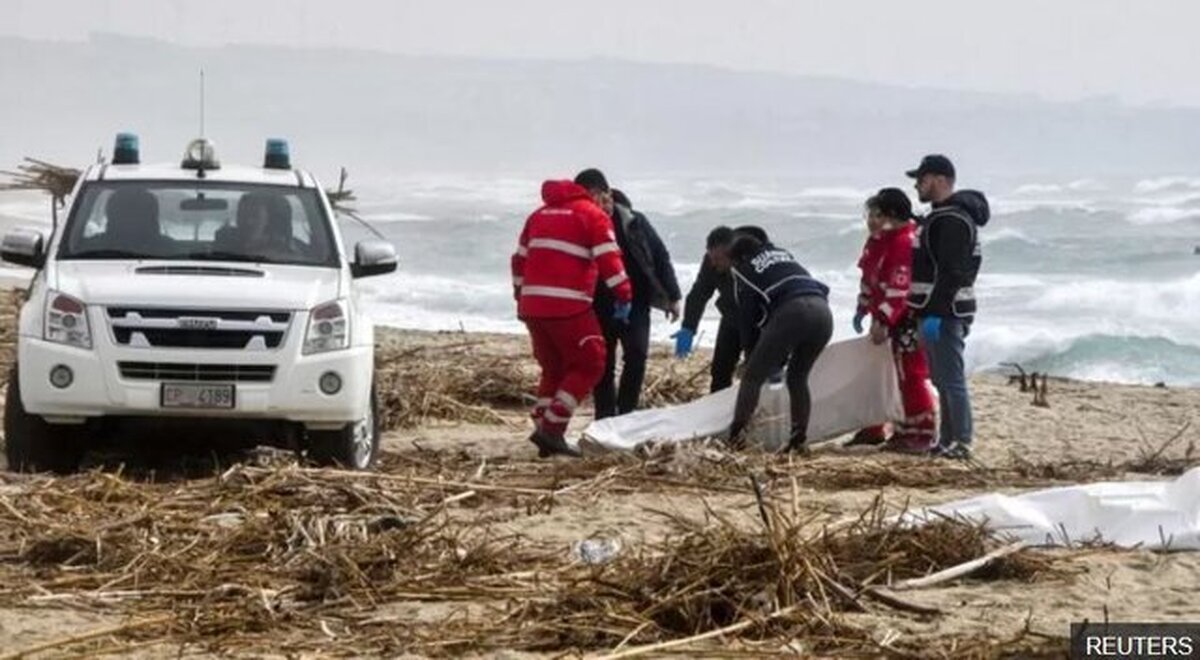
x,y
31,444
354,446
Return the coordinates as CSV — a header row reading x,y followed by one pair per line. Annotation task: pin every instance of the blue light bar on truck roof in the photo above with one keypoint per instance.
x,y
278,155
126,151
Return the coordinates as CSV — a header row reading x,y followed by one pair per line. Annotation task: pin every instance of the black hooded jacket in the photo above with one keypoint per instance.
x,y
948,256
647,262
708,281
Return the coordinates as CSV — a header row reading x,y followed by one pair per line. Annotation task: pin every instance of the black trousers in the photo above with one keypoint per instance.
x,y
797,332
634,340
726,354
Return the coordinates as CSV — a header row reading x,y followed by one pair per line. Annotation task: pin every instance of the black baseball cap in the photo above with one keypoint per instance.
x,y
933,164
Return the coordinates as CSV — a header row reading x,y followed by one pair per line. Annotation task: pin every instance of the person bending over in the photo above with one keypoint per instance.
x,y
785,317
715,278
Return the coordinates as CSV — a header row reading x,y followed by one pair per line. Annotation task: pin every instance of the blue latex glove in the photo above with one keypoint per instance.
x,y
683,342
858,322
931,328
621,311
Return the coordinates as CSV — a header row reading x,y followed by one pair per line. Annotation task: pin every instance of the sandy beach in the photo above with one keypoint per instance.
x,y
482,475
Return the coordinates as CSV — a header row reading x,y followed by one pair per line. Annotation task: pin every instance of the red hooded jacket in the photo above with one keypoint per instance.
x,y
565,246
886,266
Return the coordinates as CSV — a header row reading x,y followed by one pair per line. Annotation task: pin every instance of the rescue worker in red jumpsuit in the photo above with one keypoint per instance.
x,y
886,266
566,246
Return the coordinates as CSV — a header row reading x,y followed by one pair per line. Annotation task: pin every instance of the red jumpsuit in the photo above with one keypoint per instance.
x,y
565,247
886,266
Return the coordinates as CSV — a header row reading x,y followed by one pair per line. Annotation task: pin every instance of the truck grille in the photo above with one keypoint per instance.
x,y
187,372
198,328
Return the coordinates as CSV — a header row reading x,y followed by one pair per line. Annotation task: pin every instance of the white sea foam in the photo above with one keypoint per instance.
x,y
1005,206
1029,189
1007,234
1166,183
1158,215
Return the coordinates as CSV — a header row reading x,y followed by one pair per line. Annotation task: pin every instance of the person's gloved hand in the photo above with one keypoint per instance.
x,y
931,328
684,338
621,311
858,322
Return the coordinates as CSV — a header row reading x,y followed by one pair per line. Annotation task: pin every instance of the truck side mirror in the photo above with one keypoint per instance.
x,y
373,257
24,247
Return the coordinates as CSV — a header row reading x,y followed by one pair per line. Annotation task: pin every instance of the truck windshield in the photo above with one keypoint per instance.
x,y
196,221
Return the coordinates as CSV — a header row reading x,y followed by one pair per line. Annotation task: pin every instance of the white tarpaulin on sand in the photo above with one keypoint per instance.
x,y
853,385
1151,514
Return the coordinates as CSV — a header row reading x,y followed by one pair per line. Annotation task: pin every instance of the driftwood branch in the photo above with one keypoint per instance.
x,y
962,570
1039,394
687,641
1021,378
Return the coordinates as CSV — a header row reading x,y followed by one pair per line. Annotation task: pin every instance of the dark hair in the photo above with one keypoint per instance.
x,y
753,230
891,202
719,237
745,246
621,198
592,179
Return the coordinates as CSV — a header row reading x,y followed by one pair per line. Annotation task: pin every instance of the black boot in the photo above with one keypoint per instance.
x,y
737,436
552,444
798,443
543,449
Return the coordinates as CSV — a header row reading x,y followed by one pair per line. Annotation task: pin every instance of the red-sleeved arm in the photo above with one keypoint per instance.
x,y
864,300
865,262
897,279
607,255
518,259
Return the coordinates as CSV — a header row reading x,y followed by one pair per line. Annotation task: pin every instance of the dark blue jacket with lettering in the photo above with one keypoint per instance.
x,y
764,281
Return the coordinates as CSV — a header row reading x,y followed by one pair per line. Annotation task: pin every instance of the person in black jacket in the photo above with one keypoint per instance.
x,y
946,261
715,277
785,318
648,264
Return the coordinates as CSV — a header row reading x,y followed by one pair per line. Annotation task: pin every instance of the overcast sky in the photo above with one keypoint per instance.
x,y
1144,51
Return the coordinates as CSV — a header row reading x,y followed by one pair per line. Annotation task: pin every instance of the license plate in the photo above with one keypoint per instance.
x,y
195,395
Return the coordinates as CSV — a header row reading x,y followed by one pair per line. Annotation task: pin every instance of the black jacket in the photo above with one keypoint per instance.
x,y
647,263
766,280
948,255
708,281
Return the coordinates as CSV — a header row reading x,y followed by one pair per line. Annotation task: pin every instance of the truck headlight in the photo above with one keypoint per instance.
x,y
66,321
328,328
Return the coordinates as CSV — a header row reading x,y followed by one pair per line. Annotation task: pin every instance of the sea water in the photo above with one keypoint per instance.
x,y
1087,278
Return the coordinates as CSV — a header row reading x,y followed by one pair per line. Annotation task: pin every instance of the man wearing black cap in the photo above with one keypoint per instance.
x,y
946,261
715,277
654,286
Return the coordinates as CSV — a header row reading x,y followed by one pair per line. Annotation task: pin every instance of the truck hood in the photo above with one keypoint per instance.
x,y
197,284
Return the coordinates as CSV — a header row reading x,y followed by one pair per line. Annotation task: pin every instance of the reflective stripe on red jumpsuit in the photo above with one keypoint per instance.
x,y
886,266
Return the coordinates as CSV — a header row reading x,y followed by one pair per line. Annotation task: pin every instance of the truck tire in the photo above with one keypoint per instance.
x,y
31,444
354,446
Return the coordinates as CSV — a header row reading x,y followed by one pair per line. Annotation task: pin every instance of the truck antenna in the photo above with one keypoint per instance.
x,y
201,103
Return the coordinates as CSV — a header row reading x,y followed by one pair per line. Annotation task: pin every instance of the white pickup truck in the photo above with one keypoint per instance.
x,y
199,295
